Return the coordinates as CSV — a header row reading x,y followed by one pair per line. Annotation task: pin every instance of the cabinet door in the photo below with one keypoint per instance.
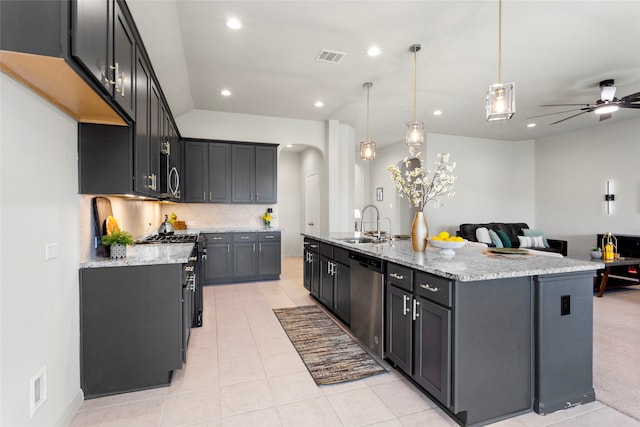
x,y
142,180
342,300
218,267
242,173
219,173
432,351
308,270
124,56
266,174
155,130
195,171
269,259
325,291
90,37
244,261
315,274
399,327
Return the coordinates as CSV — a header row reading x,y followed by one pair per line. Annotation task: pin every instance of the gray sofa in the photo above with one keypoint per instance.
x,y
512,231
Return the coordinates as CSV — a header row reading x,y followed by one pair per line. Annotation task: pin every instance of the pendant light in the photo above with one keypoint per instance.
x,y
368,147
415,129
501,98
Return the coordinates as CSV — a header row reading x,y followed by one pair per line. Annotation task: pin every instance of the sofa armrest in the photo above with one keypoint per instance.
x,y
560,245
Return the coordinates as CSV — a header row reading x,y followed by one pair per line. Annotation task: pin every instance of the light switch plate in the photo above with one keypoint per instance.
x,y
50,251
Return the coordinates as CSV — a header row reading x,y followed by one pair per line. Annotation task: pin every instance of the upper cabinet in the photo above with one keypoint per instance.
x,y
230,172
102,41
35,45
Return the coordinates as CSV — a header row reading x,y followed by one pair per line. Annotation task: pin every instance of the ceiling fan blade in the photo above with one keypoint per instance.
x,y
629,105
605,116
570,117
631,98
557,112
565,105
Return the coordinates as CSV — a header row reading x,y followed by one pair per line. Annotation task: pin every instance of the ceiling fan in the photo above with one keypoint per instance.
x,y
603,107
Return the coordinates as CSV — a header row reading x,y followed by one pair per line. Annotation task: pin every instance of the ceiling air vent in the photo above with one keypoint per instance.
x,y
330,56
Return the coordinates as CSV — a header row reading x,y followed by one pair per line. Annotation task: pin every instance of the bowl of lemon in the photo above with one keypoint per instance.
x,y
446,243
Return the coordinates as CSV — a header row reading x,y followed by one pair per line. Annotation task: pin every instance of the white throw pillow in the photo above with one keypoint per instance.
x,y
531,241
482,235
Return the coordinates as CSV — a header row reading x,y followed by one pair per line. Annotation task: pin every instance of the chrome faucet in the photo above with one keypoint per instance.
x,y
390,236
377,219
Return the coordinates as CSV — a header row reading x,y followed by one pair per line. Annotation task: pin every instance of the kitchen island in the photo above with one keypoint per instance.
x,y
487,337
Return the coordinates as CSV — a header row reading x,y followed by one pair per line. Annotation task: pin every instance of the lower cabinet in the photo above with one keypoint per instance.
x,y
418,328
242,257
327,277
131,332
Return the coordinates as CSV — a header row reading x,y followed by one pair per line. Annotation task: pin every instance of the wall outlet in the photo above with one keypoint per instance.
x,y
37,390
50,251
565,305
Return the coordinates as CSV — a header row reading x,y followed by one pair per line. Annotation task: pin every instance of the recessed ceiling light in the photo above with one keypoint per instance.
x,y
319,104
437,113
373,51
531,125
225,92
289,145
234,23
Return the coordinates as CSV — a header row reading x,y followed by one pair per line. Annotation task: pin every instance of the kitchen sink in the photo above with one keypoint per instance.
x,y
356,240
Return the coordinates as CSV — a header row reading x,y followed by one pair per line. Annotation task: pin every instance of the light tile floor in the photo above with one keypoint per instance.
x,y
243,371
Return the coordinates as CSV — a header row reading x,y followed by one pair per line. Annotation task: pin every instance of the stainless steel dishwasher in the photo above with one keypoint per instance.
x,y
366,276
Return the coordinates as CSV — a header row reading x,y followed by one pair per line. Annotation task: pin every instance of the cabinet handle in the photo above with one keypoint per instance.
x,y
244,237
415,309
260,247
204,196
396,276
254,247
216,238
210,196
271,237
314,246
429,288
228,248
405,310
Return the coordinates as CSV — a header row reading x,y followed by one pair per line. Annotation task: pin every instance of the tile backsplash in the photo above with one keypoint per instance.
x,y
141,217
215,215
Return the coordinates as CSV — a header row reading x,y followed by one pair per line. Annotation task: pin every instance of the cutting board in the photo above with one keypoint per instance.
x,y
101,210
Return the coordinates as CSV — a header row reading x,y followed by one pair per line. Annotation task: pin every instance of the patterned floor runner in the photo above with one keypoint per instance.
x,y
330,354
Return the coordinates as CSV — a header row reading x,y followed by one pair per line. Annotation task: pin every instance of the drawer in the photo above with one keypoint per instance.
x,y
400,276
434,288
270,237
326,250
341,255
245,237
219,237
311,245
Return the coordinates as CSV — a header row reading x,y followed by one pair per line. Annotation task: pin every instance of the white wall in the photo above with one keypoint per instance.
x,y
39,299
571,174
291,200
496,182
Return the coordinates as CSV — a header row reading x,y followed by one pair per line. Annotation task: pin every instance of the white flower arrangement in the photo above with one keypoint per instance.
x,y
416,185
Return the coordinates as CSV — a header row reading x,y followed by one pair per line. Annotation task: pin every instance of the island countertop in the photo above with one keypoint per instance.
x,y
469,264
150,254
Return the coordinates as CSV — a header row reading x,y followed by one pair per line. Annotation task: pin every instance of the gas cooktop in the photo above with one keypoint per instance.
x,y
169,238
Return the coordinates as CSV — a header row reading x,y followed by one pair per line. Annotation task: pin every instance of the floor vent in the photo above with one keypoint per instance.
x,y
330,56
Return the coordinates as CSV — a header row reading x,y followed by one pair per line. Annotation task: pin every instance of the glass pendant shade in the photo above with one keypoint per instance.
x,y
367,150
415,134
501,101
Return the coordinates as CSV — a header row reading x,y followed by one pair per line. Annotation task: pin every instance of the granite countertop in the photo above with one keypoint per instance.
x,y
148,254
469,263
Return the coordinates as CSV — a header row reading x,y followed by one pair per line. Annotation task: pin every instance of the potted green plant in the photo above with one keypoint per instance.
x,y
596,253
117,241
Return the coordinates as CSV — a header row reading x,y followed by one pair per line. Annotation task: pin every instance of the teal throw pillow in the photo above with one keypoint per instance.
x,y
495,239
506,242
535,233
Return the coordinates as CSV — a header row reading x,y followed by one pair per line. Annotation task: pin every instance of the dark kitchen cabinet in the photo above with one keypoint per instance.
x,y
103,42
207,167
169,186
131,327
326,287
245,262
342,292
218,267
418,328
242,257
143,180
269,254
254,173
311,266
